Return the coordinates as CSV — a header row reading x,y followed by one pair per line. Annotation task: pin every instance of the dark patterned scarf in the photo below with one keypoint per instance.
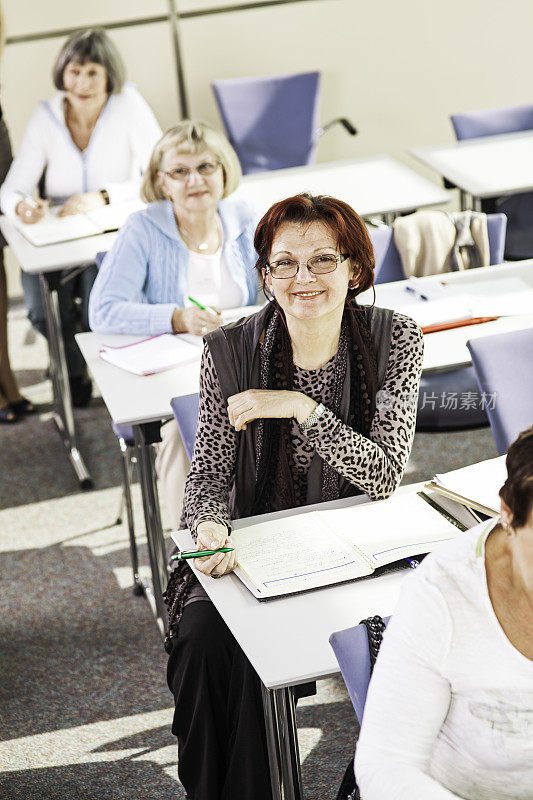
x,y
278,484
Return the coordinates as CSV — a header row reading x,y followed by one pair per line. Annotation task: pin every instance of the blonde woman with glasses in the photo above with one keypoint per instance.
x,y
192,240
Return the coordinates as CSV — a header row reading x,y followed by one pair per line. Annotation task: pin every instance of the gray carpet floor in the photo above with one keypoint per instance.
x,y
84,707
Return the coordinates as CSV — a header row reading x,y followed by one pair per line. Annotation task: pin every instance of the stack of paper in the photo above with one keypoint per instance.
x,y
476,486
152,355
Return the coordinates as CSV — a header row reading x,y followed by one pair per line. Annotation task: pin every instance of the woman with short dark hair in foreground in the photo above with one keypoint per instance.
x,y
449,711
311,399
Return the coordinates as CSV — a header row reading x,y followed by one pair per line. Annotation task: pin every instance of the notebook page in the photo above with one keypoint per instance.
x,y
113,216
480,482
52,229
295,554
389,530
152,355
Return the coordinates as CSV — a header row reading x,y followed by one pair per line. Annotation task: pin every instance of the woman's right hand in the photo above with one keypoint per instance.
x,y
195,320
31,212
210,536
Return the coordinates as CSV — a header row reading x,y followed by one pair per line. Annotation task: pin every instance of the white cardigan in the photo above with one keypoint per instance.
x,y
449,711
118,152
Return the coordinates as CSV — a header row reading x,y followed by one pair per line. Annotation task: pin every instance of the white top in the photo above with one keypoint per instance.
x,y
449,711
210,281
118,152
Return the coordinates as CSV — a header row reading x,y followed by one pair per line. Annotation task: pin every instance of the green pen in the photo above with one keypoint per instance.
x,y
204,308
201,553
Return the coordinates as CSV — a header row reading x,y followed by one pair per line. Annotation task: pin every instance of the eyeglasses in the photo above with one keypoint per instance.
x,y
318,265
182,173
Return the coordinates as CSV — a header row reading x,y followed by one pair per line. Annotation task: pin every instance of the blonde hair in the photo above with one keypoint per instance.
x,y
191,137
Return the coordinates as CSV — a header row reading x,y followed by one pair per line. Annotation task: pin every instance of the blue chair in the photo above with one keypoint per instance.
x,y
351,651
451,383
503,364
185,410
518,208
272,121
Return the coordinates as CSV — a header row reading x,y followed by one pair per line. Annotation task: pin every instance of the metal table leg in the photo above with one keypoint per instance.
x,y
63,413
146,435
282,743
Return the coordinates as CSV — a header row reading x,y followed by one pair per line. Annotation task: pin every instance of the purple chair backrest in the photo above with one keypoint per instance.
x,y
185,410
492,121
504,371
270,121
351,651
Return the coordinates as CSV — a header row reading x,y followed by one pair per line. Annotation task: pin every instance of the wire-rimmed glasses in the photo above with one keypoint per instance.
x,y
286,268
204,169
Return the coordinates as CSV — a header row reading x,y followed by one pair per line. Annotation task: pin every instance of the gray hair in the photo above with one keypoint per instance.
x,y
93,45
190,136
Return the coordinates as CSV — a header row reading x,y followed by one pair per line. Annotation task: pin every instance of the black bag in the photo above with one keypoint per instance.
x,y
375,626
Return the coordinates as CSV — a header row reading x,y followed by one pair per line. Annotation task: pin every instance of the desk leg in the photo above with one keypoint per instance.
x,y
63,413
282,743
145,436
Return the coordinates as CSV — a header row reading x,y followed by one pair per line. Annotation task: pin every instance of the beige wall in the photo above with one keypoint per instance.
x,y
398,69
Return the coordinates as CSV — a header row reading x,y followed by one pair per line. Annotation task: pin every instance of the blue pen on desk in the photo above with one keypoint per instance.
x,y
413,563
416,293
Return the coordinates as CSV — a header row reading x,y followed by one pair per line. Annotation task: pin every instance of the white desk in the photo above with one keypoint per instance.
x,y
486,167
47,262
286,640
447,349
377,185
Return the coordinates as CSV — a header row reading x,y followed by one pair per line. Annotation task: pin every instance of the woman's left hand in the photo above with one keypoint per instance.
x,y
268,404
80,203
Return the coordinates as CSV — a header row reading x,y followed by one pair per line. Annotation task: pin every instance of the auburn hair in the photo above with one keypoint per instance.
x,y
517,491
345,224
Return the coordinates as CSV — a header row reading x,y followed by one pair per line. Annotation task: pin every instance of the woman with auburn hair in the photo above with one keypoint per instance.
x,y
311,399
449,712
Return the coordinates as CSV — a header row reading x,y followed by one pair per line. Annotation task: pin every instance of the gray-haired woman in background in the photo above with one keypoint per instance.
x,y
85,147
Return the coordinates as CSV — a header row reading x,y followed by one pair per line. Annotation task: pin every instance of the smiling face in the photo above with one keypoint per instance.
x,y
197,193
85,84
308,296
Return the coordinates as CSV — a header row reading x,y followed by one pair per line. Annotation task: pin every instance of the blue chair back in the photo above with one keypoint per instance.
x,y
503,367
99,258
388,262
351,651
185,410
492,121
270,121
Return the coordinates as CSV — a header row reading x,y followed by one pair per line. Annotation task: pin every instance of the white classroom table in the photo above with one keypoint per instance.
x,y
489,166
287,639
47,262
144,401
378,185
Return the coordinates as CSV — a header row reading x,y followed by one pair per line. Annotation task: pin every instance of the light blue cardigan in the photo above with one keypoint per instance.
x,y
143,277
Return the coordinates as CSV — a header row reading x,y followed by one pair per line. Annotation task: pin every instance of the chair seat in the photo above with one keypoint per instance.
x,y
450,400
124,432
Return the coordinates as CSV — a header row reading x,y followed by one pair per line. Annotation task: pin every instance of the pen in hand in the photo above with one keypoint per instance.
x,y
209,309
201,553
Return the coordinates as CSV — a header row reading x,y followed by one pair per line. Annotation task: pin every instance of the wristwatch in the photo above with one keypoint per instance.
x,y
313,417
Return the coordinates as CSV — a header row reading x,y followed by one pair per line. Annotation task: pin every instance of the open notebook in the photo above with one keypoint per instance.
x,y
52,229
321,548
154,355
476,486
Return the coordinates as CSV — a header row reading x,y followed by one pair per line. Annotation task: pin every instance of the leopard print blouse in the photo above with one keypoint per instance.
x,y
375,464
